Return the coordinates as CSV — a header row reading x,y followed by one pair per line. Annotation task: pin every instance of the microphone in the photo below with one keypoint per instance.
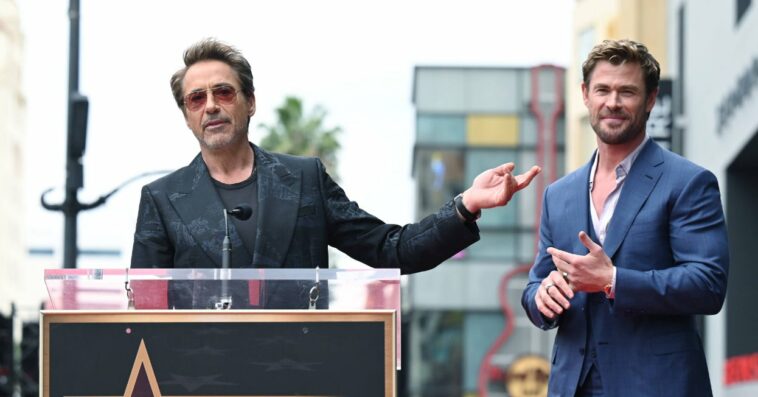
x,y
242,212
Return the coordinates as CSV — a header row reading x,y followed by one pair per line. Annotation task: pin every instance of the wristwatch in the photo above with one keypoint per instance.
x,y
465,213
608,288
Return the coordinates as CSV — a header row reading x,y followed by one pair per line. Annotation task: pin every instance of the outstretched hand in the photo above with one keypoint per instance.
x,y
496,186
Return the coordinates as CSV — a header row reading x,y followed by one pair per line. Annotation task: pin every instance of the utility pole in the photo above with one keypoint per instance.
x,y
78,106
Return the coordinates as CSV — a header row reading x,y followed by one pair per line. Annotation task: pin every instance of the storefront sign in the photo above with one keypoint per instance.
x,y
744,88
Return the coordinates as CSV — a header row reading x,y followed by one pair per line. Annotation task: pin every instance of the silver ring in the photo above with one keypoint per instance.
x,y
547,287
565,276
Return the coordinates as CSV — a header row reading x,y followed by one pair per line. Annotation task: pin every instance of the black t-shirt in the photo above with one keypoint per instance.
x,y
245,192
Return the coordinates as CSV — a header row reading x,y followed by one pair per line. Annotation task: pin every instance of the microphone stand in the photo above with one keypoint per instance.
x,y
225,301
243,213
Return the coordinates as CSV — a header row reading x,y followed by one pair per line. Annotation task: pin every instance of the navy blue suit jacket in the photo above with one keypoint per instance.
x,y
668,241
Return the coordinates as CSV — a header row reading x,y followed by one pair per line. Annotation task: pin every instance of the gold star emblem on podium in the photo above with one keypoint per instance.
x,y
142,381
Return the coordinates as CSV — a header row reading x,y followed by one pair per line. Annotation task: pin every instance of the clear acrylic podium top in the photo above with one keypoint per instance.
x,y
237,289
123,289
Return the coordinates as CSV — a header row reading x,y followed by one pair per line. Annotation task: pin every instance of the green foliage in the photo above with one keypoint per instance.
x,y
302,134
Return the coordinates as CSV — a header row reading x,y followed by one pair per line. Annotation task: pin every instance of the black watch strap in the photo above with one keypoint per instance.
x,y
465,213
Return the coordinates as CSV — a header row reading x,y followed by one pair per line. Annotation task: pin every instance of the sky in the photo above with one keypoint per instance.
x,y
354,58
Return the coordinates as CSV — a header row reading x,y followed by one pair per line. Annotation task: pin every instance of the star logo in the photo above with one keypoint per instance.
x,y
203,351
192,383
142,381
273,340
286,364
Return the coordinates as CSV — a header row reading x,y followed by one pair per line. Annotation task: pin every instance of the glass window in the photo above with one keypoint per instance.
x,y
527,248
438,337
491,91
439,178
528,131
440,90
561,131
525,82
561,163
494,246
527,198
441,129
546,80
585,43
481,330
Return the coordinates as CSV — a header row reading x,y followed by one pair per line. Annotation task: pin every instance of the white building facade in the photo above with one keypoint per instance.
x,y
713,58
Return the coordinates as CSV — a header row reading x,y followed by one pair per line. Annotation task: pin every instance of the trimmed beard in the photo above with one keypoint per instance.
x,y
627,135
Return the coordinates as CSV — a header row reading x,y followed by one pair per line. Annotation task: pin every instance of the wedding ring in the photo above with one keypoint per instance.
x,y
565,276
547,287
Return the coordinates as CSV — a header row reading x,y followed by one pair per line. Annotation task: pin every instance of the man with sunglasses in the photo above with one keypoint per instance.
x,y
298,210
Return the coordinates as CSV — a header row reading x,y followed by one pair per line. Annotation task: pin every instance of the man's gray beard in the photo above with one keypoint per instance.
x,y
215,144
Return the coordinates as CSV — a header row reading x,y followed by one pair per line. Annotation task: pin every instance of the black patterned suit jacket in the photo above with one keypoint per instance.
x,y
300,211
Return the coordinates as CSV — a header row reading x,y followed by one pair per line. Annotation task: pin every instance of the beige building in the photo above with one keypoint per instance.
x,y
595,21
12,105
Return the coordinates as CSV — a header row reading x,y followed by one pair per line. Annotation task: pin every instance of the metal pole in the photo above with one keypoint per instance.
x,y
14,367
74,172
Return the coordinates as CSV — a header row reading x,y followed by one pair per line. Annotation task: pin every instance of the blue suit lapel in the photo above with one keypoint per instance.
x,y
583,197
642,178
576,210
199,206
278,204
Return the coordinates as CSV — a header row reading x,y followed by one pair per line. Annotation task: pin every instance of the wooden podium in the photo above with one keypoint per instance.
x,y
153,352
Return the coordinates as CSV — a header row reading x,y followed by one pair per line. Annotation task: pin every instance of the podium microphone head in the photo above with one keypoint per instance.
x,y
242,212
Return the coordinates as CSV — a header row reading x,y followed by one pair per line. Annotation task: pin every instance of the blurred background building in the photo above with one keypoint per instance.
x,y
467,120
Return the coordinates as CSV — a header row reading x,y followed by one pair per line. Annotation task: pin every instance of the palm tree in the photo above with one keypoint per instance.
x,y
302,134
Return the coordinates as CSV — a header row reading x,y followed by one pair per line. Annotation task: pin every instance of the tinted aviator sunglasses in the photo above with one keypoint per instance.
x,y
223,94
